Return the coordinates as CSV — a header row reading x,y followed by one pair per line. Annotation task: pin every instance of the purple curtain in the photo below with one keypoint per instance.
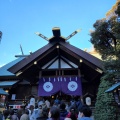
x,y
67,85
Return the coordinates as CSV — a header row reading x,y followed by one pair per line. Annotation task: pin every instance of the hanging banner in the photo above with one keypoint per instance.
x,y
67,85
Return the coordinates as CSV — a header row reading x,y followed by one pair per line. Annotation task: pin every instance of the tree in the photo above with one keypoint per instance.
x,y
0,36
111,12
106,41
104,109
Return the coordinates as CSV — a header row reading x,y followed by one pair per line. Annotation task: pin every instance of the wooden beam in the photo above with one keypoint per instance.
x,y
69,52
67,62
56,31
37,59
51,63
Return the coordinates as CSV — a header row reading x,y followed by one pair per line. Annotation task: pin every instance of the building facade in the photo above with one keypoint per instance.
x,y
56,68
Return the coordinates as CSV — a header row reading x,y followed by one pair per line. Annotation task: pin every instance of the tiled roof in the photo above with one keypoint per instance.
x,y
114,87
3,69
2,92
7,83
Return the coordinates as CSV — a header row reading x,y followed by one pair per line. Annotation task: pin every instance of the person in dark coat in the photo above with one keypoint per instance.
x,y
79,104
85,113
63,111
6,115
13,116
44,114
72,115
54,113
19,113
25,115
1,116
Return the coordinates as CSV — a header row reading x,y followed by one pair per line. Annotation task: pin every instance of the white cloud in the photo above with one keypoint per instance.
x,y
89,49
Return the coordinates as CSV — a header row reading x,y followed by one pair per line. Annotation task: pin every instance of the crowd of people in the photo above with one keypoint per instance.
x,y
45,110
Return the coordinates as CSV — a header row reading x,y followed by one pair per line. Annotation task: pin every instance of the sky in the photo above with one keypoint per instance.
x,y
21,19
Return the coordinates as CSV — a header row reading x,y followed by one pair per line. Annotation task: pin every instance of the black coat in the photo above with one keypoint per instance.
x,y
63,114
42,118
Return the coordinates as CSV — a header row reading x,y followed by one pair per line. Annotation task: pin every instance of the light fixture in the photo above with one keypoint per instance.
x,y
35,63
57,46
7,91
81,60
19,73
52,96
99,70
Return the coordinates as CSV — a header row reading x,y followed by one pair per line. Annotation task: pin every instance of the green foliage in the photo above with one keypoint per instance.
x,y
104,107
106,41
118,10
101,39
112,67
113,10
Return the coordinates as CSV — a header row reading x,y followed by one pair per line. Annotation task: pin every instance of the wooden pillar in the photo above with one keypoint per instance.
x,y
79,75
40,74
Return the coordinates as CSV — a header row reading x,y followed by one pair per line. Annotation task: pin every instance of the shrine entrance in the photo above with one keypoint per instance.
x,y
59,66
67,85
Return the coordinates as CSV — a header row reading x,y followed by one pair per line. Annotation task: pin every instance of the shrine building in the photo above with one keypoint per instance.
x,y
56,69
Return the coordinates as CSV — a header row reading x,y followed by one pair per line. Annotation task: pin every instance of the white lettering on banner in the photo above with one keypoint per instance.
x,y
47,86
60,83
44,79
15,106
76,78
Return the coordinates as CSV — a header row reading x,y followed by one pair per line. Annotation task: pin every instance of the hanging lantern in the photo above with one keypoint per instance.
x,y
88,101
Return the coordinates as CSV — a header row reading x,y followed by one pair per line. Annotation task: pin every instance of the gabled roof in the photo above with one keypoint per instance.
x,y
83,55
58,47
30,58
